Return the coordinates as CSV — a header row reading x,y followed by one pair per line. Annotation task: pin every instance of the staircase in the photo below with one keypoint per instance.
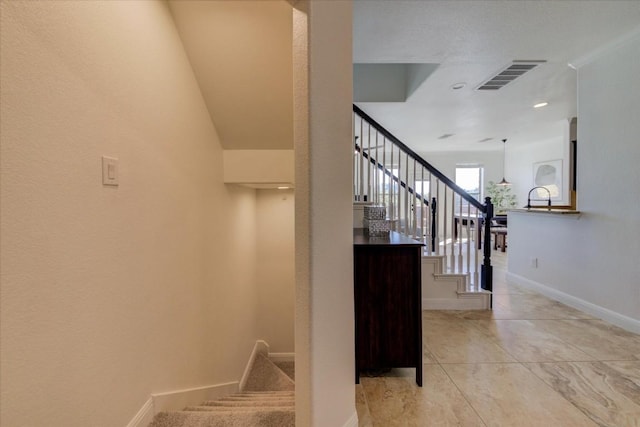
x,y
424,204
449,291
267,399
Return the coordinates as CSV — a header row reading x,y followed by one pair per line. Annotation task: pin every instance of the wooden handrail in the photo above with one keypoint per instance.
x,y
434,171
484,211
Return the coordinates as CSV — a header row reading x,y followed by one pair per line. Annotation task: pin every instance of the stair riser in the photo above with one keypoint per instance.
x,y
445,291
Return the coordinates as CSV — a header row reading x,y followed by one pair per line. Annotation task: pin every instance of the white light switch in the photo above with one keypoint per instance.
x,y
109,170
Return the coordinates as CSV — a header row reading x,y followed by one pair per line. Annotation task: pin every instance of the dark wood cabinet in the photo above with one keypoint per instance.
x,y
388,303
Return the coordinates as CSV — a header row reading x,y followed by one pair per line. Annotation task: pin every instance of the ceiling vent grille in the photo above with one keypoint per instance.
x,y
509,74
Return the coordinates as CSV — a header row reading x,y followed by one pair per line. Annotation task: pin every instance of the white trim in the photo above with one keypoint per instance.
x,y
617,319
353,421
176,400
615,44
282,357
260,347
144,417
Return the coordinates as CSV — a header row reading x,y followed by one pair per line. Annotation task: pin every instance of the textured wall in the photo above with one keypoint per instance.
x,y
109,294
324,210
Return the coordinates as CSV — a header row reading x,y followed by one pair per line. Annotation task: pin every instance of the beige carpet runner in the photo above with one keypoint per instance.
x,y
268,400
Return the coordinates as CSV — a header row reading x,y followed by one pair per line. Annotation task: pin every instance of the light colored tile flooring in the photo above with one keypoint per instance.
x,y
529,362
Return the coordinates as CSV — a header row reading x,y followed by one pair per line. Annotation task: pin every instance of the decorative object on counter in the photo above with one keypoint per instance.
x,y
548,199
375,222
504,163
501,197
375,212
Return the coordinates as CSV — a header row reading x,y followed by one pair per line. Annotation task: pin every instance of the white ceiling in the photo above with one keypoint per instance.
x,y
471,40
241,55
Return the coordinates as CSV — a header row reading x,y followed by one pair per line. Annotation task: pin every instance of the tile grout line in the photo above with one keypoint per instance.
x,y
464,396
549,322
560,394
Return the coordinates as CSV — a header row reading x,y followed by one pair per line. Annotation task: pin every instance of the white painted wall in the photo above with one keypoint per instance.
x,y
521,154
446,162
275,269
325,393
263,167
110,294
521,157
593,259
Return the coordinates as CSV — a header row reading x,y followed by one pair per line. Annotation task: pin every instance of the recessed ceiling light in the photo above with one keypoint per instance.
x,y
541,104
458,86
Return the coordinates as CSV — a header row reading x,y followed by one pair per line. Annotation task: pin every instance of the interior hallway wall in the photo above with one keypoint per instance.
x,y
275,269
325,358
111,293
592,260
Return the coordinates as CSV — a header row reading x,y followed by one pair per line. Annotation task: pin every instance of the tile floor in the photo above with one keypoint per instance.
x,y
529,362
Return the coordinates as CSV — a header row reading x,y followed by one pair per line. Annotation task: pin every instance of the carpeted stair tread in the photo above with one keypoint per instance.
x,y
258,399
260,396
254,403
239,408
269,393
276,418
245,402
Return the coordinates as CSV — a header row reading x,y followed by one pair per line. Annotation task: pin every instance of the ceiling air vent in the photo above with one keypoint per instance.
x,y
509,74
446,135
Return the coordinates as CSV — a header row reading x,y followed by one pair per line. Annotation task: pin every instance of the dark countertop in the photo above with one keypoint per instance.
x,y
360,239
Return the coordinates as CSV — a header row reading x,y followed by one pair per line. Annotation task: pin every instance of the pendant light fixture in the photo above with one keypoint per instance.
x,y
504,163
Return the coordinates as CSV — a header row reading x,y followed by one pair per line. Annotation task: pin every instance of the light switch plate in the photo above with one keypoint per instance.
x,y
109,170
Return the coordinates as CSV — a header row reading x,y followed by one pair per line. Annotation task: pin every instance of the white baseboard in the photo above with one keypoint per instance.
x,y
260,347
282,357
178,399
617,319
353,421
144,416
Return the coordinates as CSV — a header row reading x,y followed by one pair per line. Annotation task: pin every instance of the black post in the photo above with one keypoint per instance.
x,y
487,269
433,224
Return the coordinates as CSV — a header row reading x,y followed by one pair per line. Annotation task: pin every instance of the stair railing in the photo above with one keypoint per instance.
x,y
422,202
